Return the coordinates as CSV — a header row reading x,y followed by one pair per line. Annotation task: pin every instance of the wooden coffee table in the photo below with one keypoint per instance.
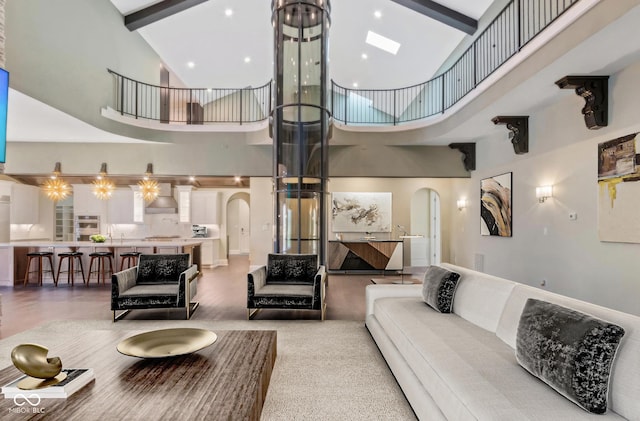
x,y
227,380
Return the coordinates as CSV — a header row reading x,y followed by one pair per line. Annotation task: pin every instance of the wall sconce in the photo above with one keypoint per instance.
x,y
543,193
102,186
462,203
149,188
55,187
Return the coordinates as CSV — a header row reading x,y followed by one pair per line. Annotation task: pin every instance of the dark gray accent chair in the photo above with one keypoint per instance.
x,y
288,281
158,281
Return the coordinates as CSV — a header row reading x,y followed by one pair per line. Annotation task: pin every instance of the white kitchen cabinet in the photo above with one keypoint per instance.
x,y
206,253
204,207
6,266
184,203
25,204
86,203
120,207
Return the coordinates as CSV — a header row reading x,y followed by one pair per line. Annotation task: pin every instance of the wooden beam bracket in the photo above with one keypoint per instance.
x,y
469,154
518,126
156,12
595,91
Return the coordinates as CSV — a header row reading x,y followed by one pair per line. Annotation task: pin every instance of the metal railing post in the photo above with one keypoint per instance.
x,y
136,99
346,96
395,119
190,108
443,79
241,91
518,23
121,79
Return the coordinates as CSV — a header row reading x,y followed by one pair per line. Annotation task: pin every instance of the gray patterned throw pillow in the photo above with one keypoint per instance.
x,y
439,288
570,351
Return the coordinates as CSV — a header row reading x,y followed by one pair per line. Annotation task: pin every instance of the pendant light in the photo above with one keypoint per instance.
x,y
55,187
102,186
149,188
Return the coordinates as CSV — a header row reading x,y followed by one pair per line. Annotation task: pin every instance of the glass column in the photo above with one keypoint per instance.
x,y
300,124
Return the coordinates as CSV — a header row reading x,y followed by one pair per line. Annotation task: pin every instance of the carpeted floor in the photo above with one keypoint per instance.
x,y
329,370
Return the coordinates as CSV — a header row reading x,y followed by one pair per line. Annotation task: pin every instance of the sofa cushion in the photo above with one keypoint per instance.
x,y
624,379
439,288
470,373
570,351
285,290
161,268
292,268
150,289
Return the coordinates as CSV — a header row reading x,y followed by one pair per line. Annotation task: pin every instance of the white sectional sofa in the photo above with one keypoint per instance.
x,y
462,365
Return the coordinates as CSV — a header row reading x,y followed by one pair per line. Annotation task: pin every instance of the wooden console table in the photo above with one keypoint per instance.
x,y
227,380
375,255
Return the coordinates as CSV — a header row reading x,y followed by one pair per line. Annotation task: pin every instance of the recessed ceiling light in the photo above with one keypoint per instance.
x,y
247,59
383,43
355,84
377,14
192,178
191,64
237,178
364,56
228,12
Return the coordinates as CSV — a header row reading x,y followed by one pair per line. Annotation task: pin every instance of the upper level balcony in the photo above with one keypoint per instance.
x,y
213,109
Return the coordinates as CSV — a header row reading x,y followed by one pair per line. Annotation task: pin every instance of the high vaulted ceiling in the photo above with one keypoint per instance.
x,y
218,44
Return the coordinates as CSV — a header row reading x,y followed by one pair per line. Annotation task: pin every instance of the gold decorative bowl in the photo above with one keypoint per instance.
x,y
167,342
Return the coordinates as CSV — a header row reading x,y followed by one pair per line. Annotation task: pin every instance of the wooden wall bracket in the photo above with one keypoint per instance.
x,y
595,91
469,152
519,127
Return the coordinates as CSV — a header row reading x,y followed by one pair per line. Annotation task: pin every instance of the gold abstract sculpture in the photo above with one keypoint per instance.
x,y
32,360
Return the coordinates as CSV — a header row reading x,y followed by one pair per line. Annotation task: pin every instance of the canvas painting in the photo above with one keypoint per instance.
x,y
495,205
619,190
361,212
617,157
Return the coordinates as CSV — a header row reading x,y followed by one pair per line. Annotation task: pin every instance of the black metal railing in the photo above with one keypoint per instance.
x,y
517,24
191,105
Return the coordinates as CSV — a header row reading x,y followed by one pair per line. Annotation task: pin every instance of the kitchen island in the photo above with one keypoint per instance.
x,y
13,255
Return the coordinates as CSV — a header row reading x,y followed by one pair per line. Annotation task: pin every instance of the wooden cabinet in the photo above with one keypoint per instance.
x,y
365,255
25,204
204,207
86,203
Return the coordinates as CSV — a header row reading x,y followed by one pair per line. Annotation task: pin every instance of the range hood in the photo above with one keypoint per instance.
x,y
164,203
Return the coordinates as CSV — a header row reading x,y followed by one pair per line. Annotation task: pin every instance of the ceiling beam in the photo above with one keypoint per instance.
x,y
156,12
442,14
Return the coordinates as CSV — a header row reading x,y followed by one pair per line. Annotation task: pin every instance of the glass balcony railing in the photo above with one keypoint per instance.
x,y
517,24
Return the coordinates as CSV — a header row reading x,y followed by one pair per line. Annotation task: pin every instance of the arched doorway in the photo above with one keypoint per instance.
x,y
425,222
238,224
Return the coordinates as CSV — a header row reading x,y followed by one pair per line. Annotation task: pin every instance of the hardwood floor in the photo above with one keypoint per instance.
x,y
222,293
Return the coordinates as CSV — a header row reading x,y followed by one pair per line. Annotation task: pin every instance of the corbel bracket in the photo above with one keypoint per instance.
x,y
519,127
469,152
595,91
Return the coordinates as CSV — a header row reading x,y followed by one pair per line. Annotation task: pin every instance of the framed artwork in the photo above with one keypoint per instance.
x,y
495,205
617,157
361,212
619,190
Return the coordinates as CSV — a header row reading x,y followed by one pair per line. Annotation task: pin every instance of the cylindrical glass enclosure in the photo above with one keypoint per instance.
x,y
300,124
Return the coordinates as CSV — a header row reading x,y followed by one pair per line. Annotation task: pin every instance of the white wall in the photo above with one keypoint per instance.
x,y
546,245
261,205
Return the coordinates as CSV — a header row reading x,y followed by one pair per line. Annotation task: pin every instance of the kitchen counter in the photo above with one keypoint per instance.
x,y
13,254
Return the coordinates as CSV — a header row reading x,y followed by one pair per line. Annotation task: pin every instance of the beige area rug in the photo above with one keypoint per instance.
x,y
329,370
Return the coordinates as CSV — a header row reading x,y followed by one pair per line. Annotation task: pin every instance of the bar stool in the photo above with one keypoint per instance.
x,y
40,270
130,257
72,269
102,257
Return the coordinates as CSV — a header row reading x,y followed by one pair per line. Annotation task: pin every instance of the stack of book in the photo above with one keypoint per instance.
x,y
76,379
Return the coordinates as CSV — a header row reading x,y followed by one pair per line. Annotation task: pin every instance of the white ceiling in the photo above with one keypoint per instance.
x,y
218,44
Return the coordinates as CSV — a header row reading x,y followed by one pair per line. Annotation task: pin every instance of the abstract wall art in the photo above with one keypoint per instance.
x,y
619,190
361,212
495,205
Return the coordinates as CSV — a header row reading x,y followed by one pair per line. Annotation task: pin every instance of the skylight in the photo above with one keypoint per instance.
x,y
383,43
